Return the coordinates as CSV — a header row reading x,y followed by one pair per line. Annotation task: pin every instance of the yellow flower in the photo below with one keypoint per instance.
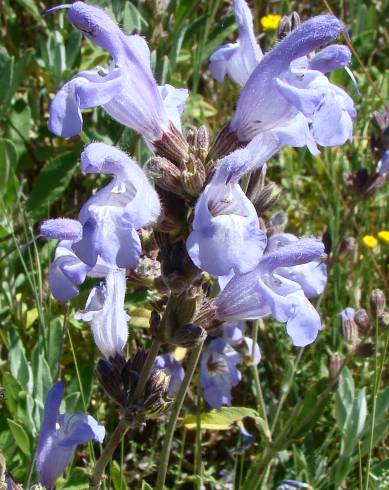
x,y
370,241
270,22
384,235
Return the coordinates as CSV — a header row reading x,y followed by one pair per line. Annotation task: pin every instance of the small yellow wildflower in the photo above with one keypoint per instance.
x,y
384,235
270,22
370,241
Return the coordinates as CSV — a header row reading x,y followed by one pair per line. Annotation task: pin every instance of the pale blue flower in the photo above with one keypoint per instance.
x,y
104,311
218,372
173,369
59,436
112,215
238,60
263,292
280,84
127,90
225,230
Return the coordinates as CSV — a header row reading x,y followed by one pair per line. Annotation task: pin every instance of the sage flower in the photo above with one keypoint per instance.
x,y
112,215
264,292
127,90
225,230
277,90
104,311
59,436
173,369
218,372
238,60
285,81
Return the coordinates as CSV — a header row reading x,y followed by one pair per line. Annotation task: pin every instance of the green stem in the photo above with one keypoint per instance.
x,y
61,347
107,453
167,443
258,389
144,375
377,379
197,456
286,389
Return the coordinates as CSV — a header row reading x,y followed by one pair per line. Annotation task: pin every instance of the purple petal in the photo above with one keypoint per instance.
x,y
331,58
65,117
61,228
304,325
299,252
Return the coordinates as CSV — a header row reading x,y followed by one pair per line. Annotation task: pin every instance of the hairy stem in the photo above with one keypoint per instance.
x,y
167,443
258,389
106,455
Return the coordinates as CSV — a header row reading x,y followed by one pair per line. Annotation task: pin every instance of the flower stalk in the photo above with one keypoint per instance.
x,y
176,409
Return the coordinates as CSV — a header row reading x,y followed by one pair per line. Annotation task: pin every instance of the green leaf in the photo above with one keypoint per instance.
x,y
344,398
117,478
133,19
8,164
21,437
221,419
42,377
54,344
30,5
12,391
51,183
354,424
146,486
78,480
19,366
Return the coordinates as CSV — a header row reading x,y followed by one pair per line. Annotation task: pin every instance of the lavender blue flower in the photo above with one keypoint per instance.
x,y
173,369
311,276
233,334
127,90
104,311
262,292
225,230
285,82
238,60
59,436
111,217
218,372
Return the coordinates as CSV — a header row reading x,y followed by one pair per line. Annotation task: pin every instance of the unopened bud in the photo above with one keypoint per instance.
x,y
191,136
188,336
287,24
349,327
226,141
155,399
361,318
365,350
202,141
377,302
193,178
268,197
165,174
172,146
335,366
110,378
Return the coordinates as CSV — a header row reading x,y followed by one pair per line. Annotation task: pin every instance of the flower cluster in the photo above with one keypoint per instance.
x,y
207,226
